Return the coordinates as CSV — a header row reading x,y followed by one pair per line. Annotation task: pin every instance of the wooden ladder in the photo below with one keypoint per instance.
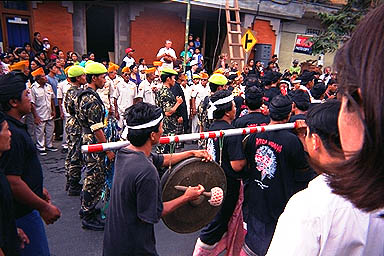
x,y
236,52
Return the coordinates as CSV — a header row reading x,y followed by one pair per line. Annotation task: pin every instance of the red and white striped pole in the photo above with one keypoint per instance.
x,y
189,137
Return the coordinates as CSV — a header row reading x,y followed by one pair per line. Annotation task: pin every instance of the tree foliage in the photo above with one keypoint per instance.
x,y
340,25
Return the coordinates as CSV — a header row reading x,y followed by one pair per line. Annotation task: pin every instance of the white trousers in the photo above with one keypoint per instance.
x,y
44,134
64,144
195,128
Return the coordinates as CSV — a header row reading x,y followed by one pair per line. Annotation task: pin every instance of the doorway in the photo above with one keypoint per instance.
x,y
100,22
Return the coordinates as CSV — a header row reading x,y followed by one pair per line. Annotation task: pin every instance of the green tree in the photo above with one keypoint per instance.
x,y
340,25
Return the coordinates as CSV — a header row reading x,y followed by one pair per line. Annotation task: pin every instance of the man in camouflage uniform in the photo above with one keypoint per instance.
x,y
217,82
169,104
91,117
73,161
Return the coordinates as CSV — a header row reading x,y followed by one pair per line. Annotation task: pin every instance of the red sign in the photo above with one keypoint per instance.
x,y
303,44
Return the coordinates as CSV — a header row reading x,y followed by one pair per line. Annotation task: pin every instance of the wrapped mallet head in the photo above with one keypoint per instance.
x,y
216,195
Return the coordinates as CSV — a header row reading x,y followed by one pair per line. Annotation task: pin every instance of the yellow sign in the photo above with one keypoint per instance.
x,y
248,41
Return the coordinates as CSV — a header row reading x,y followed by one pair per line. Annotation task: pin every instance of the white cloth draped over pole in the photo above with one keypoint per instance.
x,y
189,137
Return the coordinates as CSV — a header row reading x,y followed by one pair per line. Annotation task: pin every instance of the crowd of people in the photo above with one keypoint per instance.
x,y
316,189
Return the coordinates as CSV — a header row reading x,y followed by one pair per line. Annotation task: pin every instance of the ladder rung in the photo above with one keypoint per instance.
x,y
234,32
236,58
234,22
233,9
235,44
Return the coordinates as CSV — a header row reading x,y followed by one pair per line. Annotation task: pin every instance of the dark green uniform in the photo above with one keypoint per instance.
x,y
166,100
202,116
73,161
91,118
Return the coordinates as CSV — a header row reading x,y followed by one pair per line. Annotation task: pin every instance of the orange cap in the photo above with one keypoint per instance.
x,y
21,65
112,67
125,69
204,75
38,72
157,63
150,70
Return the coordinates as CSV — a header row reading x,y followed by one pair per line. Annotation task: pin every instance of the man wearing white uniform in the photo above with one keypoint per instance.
x,y
62,89
148,88
128,59
199,92
124,96
43,109
167,55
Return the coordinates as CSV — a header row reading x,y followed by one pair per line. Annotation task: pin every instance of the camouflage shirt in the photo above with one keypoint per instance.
x,y
202,114
70,104
91,111
165,99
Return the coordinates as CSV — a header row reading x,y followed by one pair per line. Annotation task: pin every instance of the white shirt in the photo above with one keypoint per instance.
x,y
129,61
318,222
187,94
169,51
200,92
146,91
62,89
41,97
124,95
106,92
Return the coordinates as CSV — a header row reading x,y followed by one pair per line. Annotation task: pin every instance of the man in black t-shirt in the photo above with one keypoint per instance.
x,y
135,203
253,101
231,158
275,159
10,243
301,102
23,169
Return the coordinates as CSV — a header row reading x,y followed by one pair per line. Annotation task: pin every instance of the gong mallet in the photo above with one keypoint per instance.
x,y
216,196
191,136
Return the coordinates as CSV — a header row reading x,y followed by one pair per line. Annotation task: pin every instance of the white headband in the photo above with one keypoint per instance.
x,y
147,125
212,105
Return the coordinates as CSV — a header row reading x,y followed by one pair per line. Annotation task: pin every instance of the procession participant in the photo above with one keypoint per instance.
x,y
147,87
135,204
253,100
167,55
128,59
125,95
358,178
275,160
62,88
73,160
43,109
11,238
106,91
229,154
23,169
301,103
217,82
200,91
169,104
91,113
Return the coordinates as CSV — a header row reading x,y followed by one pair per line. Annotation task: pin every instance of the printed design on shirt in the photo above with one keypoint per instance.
x,y
211,149
266,163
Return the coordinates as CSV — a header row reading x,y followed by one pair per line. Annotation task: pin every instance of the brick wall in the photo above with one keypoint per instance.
x,y
150,30
54,22
264,33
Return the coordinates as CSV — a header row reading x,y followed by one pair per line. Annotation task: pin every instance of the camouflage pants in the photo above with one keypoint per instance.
x,y
73,161
164,148
94,177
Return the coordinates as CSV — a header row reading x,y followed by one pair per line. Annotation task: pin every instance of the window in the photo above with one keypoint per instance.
x,y
16,5
313,31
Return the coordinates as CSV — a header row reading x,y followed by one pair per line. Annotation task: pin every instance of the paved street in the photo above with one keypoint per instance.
x,y
66,237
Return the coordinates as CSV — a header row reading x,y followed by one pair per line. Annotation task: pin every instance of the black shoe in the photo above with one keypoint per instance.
x,y
97,212
64,150
74,190
52,149
43,152
93,223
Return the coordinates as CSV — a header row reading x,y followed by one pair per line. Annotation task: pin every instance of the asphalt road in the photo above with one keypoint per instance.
x,y
67,238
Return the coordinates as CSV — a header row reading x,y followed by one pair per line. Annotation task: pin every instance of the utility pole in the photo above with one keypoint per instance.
x,y
186,34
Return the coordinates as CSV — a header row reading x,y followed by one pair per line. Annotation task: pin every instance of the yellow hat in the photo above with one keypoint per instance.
x,y
219,71
112,67
88,62
218,79
204,75
38,72
195,76
21,65
169,71
150,70
95,68
157,63
125,69
75,71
